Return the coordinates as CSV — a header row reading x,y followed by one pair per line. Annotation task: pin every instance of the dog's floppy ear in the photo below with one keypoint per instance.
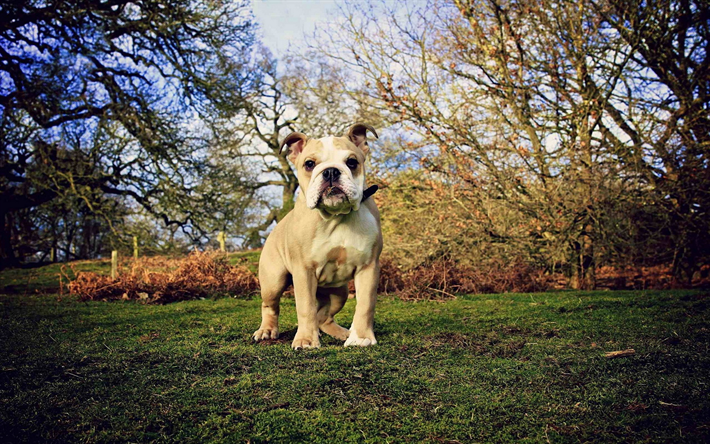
x,y
358,135
295,143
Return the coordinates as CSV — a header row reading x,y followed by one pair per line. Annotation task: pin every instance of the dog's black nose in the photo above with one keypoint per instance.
x,y
331,174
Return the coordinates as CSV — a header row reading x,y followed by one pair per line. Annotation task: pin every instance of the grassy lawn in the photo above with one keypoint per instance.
x,y
491,368
48,278
248,258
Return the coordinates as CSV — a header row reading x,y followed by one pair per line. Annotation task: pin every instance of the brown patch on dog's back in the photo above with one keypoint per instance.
x,y
338,255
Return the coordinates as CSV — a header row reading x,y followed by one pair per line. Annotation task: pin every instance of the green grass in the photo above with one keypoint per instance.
x,y
46,279
248,258
492,368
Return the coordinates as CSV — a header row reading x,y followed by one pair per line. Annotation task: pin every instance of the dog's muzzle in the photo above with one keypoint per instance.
x,y
333,190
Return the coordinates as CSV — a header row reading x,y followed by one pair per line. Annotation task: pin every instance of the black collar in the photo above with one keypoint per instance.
x,y
369,192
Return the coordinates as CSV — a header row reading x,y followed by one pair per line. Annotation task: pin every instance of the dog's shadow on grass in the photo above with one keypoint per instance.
x,y
285,337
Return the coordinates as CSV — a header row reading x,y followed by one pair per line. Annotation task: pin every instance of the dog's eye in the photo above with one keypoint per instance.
x,y
309,164
351,163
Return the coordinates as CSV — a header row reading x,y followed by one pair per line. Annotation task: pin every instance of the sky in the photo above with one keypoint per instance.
x,y
284,22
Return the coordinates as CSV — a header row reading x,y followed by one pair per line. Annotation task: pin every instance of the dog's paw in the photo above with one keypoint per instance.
x,y
299,343
266,333
357,341
336,331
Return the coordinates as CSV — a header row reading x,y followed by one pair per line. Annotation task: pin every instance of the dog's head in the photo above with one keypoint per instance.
x,y
331,170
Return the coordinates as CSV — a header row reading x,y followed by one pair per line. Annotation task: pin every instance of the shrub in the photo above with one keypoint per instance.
x,y
444,278
161,280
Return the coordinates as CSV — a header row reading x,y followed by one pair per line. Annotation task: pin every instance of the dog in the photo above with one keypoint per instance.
x,y
331,236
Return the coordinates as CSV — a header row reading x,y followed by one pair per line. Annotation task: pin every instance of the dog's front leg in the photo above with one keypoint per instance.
x,y
304,287
361,331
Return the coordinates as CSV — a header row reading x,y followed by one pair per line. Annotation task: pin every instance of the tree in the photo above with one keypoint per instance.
x,y
538,105
308,97
498,122
116,86
668,42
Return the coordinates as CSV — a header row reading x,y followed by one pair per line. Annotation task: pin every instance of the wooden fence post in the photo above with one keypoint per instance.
x,y
135,247
114,264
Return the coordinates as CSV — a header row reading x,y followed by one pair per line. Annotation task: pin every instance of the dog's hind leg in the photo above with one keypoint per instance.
x,y
330,302
273,278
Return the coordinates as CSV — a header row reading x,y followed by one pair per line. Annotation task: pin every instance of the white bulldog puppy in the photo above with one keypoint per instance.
x,y
331,236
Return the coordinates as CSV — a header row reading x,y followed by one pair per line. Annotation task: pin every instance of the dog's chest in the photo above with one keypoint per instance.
x,y
339,248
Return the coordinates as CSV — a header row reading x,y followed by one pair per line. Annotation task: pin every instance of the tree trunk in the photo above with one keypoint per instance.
x,y
684,254
7,253
583,267
288,198
254,239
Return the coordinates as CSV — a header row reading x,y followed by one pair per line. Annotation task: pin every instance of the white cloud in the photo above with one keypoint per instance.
x,y
284,22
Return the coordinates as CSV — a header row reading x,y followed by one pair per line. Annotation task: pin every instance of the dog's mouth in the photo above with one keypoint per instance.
x,y
332,191
333,196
